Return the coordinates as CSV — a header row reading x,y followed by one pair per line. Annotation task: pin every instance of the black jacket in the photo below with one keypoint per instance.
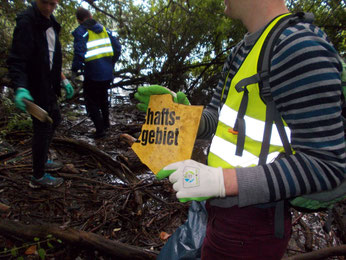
x,y
28,61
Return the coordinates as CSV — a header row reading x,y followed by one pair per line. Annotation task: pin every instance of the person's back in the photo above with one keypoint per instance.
x,y
97,69
96,50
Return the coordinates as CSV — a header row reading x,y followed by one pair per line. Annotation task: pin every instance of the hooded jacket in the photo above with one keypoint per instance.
x,y
98,69
28,60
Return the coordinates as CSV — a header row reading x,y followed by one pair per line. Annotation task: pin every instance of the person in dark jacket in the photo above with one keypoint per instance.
x,y
96,50
35,62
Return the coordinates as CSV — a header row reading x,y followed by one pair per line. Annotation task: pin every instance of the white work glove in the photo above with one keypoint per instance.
x,y
195,181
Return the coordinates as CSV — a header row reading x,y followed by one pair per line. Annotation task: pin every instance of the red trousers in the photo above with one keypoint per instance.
x,y
243,233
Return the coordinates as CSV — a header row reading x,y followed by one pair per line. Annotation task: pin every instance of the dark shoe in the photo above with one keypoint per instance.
x,y
47,181
98,135
51,166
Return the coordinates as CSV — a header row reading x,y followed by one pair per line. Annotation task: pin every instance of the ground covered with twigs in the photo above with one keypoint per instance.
x,y
107,192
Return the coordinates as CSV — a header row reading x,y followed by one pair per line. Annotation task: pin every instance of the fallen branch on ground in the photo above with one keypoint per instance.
x,y
320,254
76,237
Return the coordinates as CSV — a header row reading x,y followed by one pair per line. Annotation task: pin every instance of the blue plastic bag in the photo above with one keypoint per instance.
x,y
186,242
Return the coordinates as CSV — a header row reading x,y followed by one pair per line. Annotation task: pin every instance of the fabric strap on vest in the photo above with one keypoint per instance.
x,y
267,133
272,113
239,125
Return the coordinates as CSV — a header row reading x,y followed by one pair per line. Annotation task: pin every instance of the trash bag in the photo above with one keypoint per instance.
x,y
186,241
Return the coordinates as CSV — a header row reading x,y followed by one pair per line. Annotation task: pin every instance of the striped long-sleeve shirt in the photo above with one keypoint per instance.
x,y
306,87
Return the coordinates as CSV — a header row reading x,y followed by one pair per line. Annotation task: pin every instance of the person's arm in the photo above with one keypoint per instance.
x,y
18,60
230,182
115,45
306,90
209,119
79,45
20,53
67,86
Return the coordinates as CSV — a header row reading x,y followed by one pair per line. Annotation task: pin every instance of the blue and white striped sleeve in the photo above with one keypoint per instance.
x,y
305,83
210,114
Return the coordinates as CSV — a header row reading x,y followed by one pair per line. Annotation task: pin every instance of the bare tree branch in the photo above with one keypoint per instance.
x,y
320,254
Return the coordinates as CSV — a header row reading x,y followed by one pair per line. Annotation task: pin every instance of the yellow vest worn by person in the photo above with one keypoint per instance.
x,y
223,150
98,45
245,136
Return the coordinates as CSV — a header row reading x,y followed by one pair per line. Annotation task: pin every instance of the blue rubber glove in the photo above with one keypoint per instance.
x,y
194,181
143,96
68,87
20,94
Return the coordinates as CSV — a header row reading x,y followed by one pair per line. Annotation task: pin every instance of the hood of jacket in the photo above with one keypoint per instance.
x,y
91,24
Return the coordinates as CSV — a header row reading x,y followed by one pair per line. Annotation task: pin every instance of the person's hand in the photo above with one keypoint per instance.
x,y
22,93
143,96
194,181
68,87
181,98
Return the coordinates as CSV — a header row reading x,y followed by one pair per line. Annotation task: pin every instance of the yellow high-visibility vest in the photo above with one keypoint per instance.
x,y
223,147
98,45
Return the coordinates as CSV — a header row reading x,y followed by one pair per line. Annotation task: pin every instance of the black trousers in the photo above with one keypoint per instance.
x,y
96,102
43,135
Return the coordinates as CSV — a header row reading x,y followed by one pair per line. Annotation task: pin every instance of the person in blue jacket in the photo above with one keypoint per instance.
x,y
96,49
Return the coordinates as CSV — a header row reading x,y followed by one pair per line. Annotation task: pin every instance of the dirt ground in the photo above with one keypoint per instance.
x,y
107,191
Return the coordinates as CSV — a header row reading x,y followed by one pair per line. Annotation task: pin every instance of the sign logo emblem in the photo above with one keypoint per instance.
x,y
191,177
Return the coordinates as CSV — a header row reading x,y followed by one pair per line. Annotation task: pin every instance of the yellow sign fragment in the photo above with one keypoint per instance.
x,y
168,134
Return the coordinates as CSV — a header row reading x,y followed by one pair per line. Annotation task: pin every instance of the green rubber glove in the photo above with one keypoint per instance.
x,y
194,181
143,96
20,94
68,87
181,99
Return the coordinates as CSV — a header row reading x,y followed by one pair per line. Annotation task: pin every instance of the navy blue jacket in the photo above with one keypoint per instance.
x,y
99,69
28,60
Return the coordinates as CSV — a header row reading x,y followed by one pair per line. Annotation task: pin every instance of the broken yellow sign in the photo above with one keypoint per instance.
x,y
168,134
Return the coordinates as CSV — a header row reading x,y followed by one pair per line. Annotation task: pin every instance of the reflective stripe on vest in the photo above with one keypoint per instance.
x,y
226,151
223,146
228,116
98,45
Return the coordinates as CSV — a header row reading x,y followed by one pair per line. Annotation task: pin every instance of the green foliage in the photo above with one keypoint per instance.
x,y
177,44
16,120
20,122
14,252
180,44
41,245
65,15
329,16
8,106
8,10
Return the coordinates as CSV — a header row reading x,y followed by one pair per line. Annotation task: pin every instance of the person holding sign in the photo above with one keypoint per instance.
x,y
247,193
